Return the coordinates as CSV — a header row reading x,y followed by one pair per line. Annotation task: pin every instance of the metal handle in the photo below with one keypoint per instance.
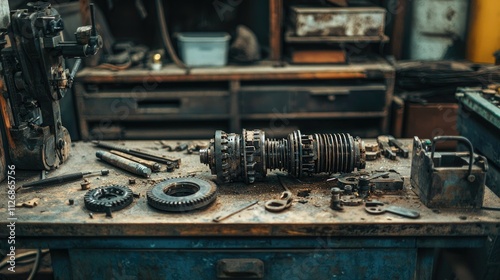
x,y
240,269
456,138
329,91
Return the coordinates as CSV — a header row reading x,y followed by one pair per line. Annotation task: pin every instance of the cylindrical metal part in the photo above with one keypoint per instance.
x,y
234,157
125,164
154,166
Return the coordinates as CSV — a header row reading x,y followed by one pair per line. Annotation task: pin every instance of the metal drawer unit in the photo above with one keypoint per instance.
x,y
140,108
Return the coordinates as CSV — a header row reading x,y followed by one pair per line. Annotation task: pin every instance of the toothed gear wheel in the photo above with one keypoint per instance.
x,y
113,197
222,157
182,194
248,156
307,154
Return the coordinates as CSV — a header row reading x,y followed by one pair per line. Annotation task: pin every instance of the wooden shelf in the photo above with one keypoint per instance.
x,y
265,70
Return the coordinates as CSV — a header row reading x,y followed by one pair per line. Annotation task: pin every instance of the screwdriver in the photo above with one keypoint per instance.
x,y
64,178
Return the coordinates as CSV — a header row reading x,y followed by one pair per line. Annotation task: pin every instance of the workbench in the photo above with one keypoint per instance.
x,y
307,241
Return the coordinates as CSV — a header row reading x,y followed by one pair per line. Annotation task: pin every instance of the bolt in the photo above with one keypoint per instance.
x,y
335,203
471,178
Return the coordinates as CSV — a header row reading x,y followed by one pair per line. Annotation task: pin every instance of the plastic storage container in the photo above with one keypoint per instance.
x,y
203,49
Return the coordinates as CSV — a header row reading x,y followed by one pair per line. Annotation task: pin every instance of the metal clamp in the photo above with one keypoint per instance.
x,y
470,177
278,205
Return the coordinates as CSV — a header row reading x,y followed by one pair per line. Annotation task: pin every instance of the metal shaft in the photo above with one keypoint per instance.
x,y
63,178
125,164
235,157
154,166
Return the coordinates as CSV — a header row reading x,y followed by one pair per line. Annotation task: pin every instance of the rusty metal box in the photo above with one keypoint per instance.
x,y
448,179
326,21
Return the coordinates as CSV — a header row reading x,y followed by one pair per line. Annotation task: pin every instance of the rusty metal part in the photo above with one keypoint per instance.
x,y
30,203
377,207
278,205
139,153
71,201
131,181
220,218
154,166
181,147
64,178
448,179
388,181
385,147
402,151
123,163
85,184
36,78
247,157
108,198
351,200
182,194
336,203
372,151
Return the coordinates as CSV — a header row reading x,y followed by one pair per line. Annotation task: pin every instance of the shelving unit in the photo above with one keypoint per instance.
x,y
175,103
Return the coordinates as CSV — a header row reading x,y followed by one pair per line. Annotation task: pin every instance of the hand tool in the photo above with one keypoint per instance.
x,y
125,164
154,166
220,218
138,153
377,207
64,178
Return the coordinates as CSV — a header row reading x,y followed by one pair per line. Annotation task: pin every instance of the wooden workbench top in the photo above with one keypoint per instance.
x,y
55,217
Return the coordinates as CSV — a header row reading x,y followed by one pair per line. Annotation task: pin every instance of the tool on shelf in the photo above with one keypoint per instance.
x,y
64,178
125,164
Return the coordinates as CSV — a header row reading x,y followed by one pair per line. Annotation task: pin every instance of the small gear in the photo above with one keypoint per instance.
x,y
108,198
182,194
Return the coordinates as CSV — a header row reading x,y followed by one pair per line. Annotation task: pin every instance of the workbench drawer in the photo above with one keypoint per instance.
x,y
314,98
153,105
314,263
355,98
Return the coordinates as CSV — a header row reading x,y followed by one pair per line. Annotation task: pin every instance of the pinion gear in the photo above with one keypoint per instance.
x,y
113,197
182,194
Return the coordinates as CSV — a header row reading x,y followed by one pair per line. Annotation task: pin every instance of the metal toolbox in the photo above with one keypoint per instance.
x,y
325,21
302,99
448,179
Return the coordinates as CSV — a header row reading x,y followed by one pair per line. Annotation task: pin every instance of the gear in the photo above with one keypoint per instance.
x,y
182,194
113,197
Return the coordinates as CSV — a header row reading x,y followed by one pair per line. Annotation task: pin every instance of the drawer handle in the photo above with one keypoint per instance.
x,y
240,269
329,92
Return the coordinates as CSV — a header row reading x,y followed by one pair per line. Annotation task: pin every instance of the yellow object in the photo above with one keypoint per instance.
x,y
157,58
484,32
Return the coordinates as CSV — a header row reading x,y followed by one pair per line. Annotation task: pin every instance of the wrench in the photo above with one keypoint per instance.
x,y
377,207
278,205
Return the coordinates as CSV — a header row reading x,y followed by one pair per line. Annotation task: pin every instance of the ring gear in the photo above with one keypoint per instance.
x,y
182,194
113,197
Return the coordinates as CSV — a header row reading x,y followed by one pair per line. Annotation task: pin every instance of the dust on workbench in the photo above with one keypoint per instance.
x,y
312,206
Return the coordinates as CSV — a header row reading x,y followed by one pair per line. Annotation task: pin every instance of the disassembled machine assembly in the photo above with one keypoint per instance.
x,y
182,194
448,179
108,198
235,157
